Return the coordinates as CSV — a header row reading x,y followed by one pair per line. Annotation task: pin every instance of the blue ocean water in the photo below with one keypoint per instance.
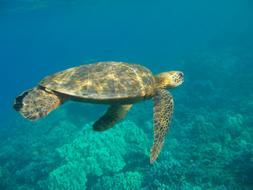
x,y
210,142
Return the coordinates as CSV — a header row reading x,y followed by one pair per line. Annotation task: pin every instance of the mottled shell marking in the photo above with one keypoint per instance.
x,y
103,80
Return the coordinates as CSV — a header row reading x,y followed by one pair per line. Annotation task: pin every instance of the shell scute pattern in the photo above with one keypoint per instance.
x,y
103,80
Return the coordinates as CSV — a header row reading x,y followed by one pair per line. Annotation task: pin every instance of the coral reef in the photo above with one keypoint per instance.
x,y
124,181
67,177
99,154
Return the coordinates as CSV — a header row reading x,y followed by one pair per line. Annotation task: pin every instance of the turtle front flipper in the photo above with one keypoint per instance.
x,y
163,110
113,115
36,103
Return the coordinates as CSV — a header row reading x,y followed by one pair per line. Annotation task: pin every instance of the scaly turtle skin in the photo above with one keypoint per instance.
x,y
115,83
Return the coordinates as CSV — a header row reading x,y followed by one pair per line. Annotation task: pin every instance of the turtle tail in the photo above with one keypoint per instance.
x,y
36,103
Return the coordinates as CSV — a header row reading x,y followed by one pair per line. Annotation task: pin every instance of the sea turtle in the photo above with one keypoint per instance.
x,y
118,84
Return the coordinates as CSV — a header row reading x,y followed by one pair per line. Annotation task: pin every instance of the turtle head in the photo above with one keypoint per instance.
x,y
170,79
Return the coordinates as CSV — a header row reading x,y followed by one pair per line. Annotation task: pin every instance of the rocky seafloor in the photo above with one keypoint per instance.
x,y
209,146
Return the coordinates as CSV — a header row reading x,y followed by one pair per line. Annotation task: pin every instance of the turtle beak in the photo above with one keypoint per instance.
x,y
181,74
181,77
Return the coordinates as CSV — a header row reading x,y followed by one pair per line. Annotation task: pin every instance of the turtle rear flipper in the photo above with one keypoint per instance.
x,y
163,110
36,103
113,115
